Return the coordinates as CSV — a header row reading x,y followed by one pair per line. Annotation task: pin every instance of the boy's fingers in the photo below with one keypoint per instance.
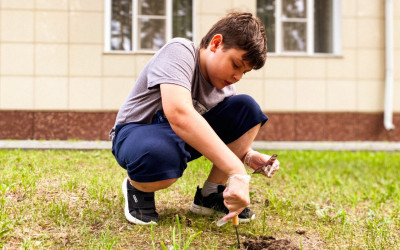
x,y
229,216
234,209
230,206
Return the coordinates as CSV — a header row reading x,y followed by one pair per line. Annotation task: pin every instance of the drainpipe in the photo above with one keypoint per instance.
x,y
388,113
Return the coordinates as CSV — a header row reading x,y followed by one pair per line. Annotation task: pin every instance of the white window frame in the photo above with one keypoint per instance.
x,y
337,39
135,35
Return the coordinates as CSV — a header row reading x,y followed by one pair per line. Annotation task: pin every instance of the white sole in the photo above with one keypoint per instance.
x,y
202,210
128,216
208,211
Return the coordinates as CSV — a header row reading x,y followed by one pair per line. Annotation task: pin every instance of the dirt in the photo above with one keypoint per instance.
x,y
268,242
301,230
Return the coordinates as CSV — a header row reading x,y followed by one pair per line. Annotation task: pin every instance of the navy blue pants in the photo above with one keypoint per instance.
x,y
153,152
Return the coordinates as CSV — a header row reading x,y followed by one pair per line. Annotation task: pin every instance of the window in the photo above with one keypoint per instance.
x,y
146,25
301,27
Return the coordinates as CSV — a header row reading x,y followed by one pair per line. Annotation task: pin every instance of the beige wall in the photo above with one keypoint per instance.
x,y
352,82
51,58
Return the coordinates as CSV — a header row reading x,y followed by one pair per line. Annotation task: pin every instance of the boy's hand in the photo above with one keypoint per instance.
x,y
236,195
258,161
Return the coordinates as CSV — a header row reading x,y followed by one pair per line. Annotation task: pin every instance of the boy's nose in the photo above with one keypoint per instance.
x,y
237,77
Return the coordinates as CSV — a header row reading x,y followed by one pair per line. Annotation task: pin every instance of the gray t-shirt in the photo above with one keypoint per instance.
x,y
177,62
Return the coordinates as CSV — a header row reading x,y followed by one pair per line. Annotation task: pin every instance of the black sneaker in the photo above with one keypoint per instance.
x,y
215,202
140,207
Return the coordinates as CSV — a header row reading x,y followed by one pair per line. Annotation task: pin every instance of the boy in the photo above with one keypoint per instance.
x,y
182,106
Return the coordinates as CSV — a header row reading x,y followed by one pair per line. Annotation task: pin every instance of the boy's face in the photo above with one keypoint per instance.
x,y
223,67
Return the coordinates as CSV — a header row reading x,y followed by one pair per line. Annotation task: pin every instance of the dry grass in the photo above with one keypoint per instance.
x,y
72,199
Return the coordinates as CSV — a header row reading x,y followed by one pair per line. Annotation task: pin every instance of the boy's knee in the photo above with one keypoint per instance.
x,y
243,106
245,101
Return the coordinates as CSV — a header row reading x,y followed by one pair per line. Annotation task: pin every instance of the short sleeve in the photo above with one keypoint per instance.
x,y
174,63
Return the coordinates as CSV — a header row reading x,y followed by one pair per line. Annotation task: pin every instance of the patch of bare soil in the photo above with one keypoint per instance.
x,y
268,242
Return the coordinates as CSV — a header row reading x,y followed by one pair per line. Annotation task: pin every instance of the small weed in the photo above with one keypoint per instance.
x,y
377,232
4,229
57,211
106,240
177,245
264,223
70,184
341,215
153,244
324,213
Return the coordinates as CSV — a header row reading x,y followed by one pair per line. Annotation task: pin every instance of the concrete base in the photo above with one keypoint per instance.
x,y
257,145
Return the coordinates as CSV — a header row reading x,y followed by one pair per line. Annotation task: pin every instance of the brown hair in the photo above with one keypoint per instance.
x,y
240,30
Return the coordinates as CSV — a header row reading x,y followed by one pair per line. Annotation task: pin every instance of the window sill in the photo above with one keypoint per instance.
x,y
304,55
116,52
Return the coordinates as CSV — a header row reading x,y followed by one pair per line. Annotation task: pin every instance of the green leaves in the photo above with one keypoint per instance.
x,y
176,245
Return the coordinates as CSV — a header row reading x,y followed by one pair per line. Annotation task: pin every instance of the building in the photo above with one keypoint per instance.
x,y
66,66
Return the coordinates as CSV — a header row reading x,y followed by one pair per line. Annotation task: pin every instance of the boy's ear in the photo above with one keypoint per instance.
x,y
216,42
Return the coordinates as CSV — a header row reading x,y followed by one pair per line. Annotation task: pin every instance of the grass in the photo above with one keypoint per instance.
x,y
73,199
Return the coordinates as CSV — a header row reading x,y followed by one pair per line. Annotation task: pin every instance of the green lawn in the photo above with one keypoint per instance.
x,y
73,199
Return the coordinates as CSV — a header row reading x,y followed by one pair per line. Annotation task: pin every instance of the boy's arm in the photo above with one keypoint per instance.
x,y
194,130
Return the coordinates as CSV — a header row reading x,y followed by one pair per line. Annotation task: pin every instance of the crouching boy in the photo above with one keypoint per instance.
x,y
183,105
